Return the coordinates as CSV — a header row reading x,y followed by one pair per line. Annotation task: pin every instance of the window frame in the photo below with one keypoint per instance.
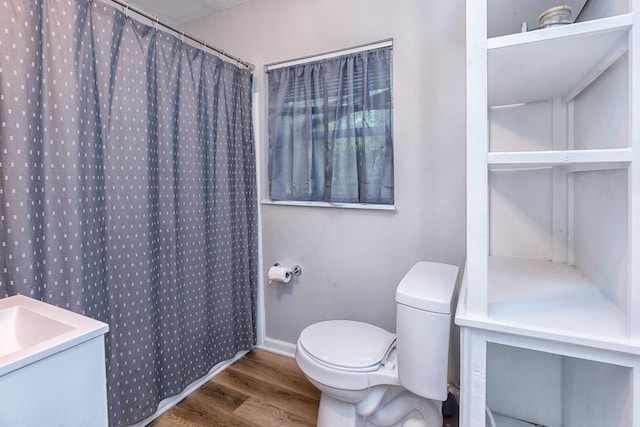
x,y
266,199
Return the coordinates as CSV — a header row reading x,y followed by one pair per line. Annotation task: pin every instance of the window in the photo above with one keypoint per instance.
x,y
330,129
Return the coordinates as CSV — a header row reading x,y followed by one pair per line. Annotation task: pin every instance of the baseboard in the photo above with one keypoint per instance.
x,y
277,346
172,401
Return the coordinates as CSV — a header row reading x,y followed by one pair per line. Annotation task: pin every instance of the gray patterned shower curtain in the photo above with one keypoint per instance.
x,y
127,191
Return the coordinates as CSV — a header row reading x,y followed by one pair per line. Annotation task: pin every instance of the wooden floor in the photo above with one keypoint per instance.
x,y
262,389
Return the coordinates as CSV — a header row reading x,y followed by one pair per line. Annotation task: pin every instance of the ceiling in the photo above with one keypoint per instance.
x,y
178,12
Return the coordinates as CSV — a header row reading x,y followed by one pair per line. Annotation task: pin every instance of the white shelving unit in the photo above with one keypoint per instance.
x,y
550,307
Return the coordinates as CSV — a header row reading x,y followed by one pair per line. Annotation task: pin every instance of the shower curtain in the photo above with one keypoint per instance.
x,y
127,191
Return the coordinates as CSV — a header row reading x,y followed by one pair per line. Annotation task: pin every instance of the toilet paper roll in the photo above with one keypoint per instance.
x,y
280,274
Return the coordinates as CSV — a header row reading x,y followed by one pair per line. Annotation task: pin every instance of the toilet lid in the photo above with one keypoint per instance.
x,y
347,344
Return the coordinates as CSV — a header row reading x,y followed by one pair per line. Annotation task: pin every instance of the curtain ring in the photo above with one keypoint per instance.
x,y
126,10
182,36
155,23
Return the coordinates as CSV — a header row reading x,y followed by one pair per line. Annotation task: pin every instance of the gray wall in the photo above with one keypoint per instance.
x,y
353,259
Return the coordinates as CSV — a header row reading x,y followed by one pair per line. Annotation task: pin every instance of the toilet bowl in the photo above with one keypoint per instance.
x,y
371,377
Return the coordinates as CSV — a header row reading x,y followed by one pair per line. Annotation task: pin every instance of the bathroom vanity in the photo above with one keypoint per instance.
x,y
52,366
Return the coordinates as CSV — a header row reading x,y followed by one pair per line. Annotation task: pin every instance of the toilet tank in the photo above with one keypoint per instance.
x,y
423,320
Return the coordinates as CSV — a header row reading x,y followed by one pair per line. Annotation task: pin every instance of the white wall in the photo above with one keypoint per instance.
x,y
352,260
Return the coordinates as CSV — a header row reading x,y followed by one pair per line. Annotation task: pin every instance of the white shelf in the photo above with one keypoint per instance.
x,y
551,301
543,64
541,105
577,159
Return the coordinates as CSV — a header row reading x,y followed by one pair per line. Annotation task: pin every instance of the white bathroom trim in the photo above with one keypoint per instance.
x,y
261,318
283,348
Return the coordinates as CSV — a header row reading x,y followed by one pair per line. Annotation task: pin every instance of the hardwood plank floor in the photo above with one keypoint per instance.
x,y
262,389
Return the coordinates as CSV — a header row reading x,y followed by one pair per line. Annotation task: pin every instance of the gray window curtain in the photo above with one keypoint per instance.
x,y
128,192
330,130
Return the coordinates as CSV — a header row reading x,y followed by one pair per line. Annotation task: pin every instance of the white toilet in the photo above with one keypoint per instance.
x,y
371,377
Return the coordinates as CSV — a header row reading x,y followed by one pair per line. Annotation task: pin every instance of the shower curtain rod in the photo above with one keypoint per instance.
x,y
181,33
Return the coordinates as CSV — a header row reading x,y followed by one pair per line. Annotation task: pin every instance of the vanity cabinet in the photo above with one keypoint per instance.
x,y
549,310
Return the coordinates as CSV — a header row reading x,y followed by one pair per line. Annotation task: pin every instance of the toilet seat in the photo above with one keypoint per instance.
x,y
348,355
347,345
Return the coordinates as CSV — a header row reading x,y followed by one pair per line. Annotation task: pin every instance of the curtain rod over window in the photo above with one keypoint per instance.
x,y
332,54
181,33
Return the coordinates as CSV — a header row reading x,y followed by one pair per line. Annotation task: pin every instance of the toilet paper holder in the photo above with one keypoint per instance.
x,y
296,270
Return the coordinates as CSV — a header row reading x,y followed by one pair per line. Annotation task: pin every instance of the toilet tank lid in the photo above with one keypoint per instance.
x,y
428,286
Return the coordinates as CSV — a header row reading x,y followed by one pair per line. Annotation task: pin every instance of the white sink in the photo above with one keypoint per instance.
x,y
20,328
52,366
31,330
